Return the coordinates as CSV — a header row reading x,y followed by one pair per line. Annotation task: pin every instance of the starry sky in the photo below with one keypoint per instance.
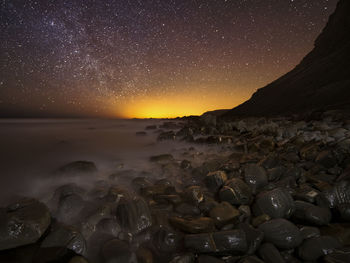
x,y
147,58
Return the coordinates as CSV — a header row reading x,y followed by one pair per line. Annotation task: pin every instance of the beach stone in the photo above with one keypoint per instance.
x,y
117,251
108,226
254,237
65,236
277,203
187,209
209,259
270,254
215,180
232,241
251,259
311,214
168,135
166,240
69,208
78,167
194,194
193,226
257,221
185,258
23,223
309,232
144,255
224,213
236,192
316,247
282,233
133,214
338,256
255,176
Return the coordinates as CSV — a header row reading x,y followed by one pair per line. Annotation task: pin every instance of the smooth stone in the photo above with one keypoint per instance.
x,y
270,254
69,208
215,180
255,176
144,255
162,158
194,195
236,192
338,194
187,209
314,248
65,236
209,259
257,221
186,258
277,203
232,241
114,251
224,213
309,232
251,259
338,256
78,259
338,231
254,237
311,214
108,226
24,223
193,226
166,240
78,167
282,233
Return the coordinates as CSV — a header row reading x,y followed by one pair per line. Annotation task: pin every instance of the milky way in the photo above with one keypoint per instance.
x,y
112,58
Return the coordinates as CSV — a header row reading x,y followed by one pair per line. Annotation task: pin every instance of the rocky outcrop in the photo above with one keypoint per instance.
x,y
320,82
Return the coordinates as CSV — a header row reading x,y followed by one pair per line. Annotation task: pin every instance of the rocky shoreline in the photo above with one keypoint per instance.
x,y
277,190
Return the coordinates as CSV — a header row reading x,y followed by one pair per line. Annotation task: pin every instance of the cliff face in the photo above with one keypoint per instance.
x,y
320,82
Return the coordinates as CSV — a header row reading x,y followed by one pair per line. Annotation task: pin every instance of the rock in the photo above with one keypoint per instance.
x,y
270,254
338,194
169,135
338,256
78,259
193,226
245,212
93,216
209,259
144,255
282,233
255,176
166,240
151,127
316,247
207,205
187,209
327,159
78,168
65,236
140,182
69,208
254,237
277,203
117,251
194,195
224,213
24,223
163,158
338,231
311,214
236,192
251,259
215,180
141,133
232,241
109,226
257,221
133,214
186,258
154,190
309,232
185,164
344,212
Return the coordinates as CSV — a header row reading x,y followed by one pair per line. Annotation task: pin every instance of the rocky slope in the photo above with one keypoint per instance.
x,y
320,82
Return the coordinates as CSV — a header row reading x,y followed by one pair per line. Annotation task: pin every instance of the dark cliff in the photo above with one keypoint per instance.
x,y
320,82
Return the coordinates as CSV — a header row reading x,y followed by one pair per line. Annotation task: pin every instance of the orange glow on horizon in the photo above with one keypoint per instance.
x,y
177,105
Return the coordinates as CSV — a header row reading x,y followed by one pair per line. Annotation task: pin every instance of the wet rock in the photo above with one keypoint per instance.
x,y
140,182
65,236
186,258
277,203
117,251
163,158
144,255
169,135
53,254
255,176
338,194
257,221
141,133
185,164
232,241
194,195
207,205
250,259
245,212
254,237
338,256
326,159
224,213
311,214
193,226
166,240
316,247
275,173
185,131
309,232
78,167
133,215
344,212
282,233
338,231
69,208
187,209
209,259
151,127
23,223
270,254
65,190
236,192
215,180
166,199
78,259
108,226
93,217
154,190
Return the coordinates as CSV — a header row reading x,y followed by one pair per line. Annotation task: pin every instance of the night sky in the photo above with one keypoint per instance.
x,y
147,58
